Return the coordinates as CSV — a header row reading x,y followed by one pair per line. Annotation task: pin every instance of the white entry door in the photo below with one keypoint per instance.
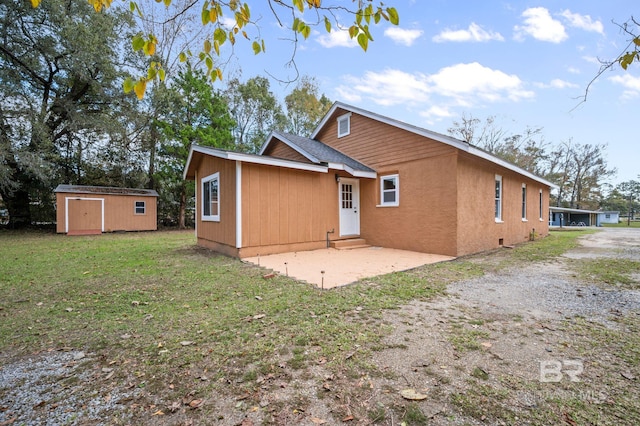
x,y
349,207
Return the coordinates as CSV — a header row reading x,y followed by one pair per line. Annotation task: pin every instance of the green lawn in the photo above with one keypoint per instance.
x,y
162,308
623,224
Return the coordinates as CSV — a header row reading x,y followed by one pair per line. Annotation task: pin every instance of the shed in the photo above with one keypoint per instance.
x,y
608,217
86,210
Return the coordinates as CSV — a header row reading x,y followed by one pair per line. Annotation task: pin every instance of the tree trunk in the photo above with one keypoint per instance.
x,y
17,204
183,208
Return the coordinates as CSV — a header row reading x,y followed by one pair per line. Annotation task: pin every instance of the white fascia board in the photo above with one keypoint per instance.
x,y
351,171
255,159
482,154
270,161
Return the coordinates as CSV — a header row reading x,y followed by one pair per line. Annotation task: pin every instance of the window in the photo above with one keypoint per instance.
x,y
344,125
389,190
540,206
498,198
141,207
211,197
524,201
607,216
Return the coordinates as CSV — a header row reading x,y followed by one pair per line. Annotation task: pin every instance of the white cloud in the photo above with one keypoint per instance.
x,y
539,24
389,87
337,38
630,83
557,83
475,80
474,33
462,85
583,22
402,36
574,70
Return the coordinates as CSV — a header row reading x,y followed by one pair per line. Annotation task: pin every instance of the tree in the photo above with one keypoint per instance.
x,y
630,190
197,115
299,16
57,84
255,110
304,109
629,54
578,170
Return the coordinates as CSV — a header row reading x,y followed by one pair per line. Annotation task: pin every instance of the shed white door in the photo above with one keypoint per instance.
x,y
349,207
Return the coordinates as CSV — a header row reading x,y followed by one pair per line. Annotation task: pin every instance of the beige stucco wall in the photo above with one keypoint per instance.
x,y
477,227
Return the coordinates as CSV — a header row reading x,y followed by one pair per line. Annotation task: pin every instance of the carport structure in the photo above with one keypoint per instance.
x,y
561,216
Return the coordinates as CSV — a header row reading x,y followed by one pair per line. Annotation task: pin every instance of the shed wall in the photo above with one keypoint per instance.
x,y
119,212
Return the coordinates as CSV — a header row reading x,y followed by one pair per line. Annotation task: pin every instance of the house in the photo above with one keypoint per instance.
x,y
562,216
366,177
608,217
84,210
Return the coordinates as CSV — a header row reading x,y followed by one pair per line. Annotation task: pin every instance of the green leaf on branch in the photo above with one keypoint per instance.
x,y
128,84
327,24
256,47
137,42
363,41
394,18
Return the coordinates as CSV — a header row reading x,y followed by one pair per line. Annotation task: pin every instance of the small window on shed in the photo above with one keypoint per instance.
x,y
344,125
141,207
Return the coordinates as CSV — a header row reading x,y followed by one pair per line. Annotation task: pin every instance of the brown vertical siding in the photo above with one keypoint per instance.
x,y
425,219
478,229
379,145
224,231
119,212
285,209
279,149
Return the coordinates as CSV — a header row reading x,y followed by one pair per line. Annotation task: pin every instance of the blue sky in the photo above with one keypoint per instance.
x,y
526,63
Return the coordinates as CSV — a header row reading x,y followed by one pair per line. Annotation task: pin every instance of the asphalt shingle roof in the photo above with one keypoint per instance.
x,y
323,153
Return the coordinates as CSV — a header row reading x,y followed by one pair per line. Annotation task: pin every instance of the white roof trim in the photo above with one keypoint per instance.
x,y
290,144
255,159
456,143
352,172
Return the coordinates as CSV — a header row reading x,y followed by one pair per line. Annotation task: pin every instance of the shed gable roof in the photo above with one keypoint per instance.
x,y
438,137
105,190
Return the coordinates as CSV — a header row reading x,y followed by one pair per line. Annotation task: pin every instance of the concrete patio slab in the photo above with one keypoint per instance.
x,y
343,266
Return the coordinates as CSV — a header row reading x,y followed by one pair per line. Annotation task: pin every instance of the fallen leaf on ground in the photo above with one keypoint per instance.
x,y
347,419
158,413
196,403
412,395
317,421
186,343
628,375
259,316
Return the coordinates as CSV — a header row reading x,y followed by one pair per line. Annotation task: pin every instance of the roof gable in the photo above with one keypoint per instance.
x,y
340,108
104,190
319,153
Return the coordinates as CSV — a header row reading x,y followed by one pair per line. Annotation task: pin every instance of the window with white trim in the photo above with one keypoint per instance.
x,y
524,201
498,198
344,125
211,197
390,190
540,206
140,207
